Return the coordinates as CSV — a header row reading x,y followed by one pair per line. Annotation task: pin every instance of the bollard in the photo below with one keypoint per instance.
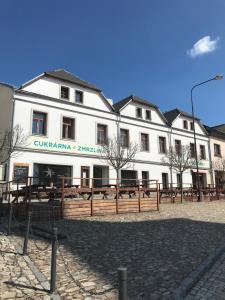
x,y
10,218
53,217
26,238
53,260
122,278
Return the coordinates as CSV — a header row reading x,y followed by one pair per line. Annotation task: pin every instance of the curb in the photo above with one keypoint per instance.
x,y
193,277
37,273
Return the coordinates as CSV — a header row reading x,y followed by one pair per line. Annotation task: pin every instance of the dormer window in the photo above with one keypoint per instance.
x,y
148,116
192,126
185,124
65,92
79,97
139,112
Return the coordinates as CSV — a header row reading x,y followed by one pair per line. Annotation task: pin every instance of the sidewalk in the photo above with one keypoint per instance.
x,y
16,279
212,284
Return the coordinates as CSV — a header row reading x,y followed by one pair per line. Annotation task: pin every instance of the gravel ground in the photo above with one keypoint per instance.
x,y
159,249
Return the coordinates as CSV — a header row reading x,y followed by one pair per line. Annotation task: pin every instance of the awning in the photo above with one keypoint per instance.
x,y
200,171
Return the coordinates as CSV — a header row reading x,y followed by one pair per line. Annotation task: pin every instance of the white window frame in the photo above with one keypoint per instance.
x,y
128,136
96,132
165,144
31,121
148,142
80,103
136,108
61,128
146,115
60,87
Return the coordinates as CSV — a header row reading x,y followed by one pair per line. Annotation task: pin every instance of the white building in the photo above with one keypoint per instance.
x,y
66,119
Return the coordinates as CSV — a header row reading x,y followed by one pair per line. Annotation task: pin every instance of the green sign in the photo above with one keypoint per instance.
x,y
64,146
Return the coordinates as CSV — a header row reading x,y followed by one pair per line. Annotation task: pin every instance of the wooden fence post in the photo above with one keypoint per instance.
x,y
139,197
117,196
17,192
62,197
29,195
157,185
92,194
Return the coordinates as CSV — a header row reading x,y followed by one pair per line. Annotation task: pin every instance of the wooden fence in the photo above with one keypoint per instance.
x,y
74,200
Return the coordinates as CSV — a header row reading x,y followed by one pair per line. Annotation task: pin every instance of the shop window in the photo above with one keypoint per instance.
x,y
128,178
20,173
46,174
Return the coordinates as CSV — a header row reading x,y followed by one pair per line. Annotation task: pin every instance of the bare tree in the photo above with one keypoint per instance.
x,y
180,159
118,156
10,141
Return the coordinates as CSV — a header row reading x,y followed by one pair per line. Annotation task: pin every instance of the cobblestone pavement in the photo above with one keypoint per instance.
x,y
212,284
159,250
16,279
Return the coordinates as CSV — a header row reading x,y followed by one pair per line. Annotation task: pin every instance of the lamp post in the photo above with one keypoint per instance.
x,y
217,77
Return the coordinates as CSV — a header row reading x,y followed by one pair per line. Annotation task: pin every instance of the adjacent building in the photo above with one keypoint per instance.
x,y
217,152
182,127
66,120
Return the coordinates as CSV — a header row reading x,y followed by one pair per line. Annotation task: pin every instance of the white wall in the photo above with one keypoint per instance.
x,y
85,125
51,87
178,123
86,119
130,111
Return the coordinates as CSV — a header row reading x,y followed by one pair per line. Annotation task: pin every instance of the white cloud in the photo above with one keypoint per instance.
x,y
202,46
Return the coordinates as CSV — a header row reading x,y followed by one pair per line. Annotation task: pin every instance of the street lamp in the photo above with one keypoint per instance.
x,y
217,77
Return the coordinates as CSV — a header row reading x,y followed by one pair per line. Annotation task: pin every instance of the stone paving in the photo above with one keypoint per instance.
x,y
159,250
16,279
212,284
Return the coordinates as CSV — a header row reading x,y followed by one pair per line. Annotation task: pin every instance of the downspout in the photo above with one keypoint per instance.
x,y
118,116
210,163
170,145
11,128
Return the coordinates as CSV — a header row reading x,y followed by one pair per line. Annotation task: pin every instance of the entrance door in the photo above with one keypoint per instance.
x,y
165,180
178,180
101,173
202,180
145,178
219,179
85,175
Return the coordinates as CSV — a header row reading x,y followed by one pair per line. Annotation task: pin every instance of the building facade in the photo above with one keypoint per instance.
x,y
66,120
217,150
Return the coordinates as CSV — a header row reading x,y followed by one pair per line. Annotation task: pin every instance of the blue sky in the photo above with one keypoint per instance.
x,y
124,47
